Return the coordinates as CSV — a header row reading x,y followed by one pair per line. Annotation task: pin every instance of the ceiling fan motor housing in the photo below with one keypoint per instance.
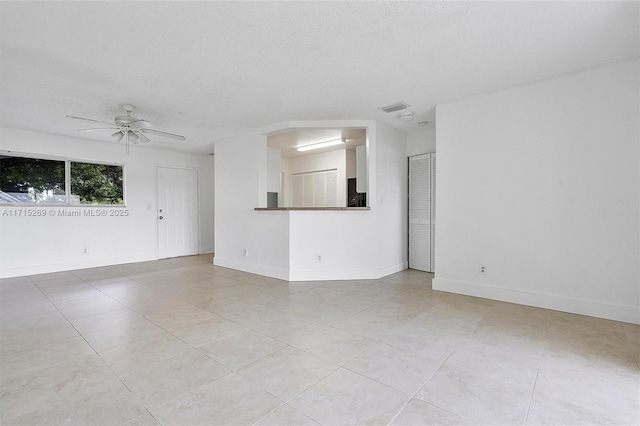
x,y
126,120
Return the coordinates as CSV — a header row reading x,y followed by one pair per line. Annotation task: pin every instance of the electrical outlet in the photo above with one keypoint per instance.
x,y
482,270
245,252
318,258
85,250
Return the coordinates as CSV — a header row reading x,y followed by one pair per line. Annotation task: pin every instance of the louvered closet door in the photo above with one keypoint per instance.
x,y
420,212
315,189
432,191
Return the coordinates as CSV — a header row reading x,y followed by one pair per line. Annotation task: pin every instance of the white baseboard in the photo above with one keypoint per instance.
x,y
347,274
206,250
327,275
71,266
268,271
624,313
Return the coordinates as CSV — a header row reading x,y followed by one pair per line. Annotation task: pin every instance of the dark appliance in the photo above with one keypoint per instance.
x,y
355,199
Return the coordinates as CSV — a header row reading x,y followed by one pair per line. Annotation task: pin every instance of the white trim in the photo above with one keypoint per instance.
x,y
268,271
284,274
593,308
348,274
71,266
206,249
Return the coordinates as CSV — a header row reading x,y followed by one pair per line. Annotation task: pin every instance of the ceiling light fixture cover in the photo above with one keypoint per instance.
x,y
406,117
117,136
320,145
133,137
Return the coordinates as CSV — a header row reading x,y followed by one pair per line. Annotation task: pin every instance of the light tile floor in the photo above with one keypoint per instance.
x,y
181,342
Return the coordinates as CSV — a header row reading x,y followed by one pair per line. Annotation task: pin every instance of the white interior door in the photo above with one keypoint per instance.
x,y
420,197
178,230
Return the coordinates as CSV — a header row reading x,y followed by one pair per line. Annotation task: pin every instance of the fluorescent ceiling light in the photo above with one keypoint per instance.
x,y
320,145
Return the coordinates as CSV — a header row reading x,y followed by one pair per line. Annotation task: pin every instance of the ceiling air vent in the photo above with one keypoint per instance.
x,y
398,106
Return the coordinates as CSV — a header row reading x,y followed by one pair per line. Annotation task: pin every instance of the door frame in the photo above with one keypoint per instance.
x,y
157,214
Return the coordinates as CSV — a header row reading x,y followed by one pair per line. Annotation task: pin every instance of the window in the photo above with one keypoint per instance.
x,y
96,184
49,181
31,180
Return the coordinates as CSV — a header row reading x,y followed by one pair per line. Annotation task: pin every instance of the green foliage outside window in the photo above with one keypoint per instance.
x,y
96,183
32,180
35,180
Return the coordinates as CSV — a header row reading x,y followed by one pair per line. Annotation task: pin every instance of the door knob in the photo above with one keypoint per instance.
x,y
160,218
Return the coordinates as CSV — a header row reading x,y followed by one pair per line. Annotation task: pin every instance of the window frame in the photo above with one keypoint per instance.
x,y
68,183
67,180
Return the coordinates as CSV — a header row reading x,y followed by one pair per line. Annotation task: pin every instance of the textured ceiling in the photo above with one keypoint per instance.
x,y
208,69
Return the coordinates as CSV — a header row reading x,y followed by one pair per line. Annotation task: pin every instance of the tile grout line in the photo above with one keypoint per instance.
x,y
535,382
425,382
630,347
85,340
422,386
80,335
435,372
475,328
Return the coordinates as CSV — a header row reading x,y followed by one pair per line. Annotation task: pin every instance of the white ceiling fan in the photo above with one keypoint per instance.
x,y
130,128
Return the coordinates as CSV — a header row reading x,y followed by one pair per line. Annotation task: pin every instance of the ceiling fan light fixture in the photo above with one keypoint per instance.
x,y
117,136
129,128
319,145
133,137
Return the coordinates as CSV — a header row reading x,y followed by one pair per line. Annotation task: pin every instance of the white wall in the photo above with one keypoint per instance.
x,y
346,240
240,186
421,142
285,244
352,171
285,200
392,196
359,244
31,245
273,169
540,183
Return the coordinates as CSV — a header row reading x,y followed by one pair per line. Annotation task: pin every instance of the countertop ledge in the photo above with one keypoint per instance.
x,y
348,209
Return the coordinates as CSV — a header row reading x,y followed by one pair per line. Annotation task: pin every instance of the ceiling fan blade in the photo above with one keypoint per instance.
x,y
98,128
141,136
89,119
164,134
